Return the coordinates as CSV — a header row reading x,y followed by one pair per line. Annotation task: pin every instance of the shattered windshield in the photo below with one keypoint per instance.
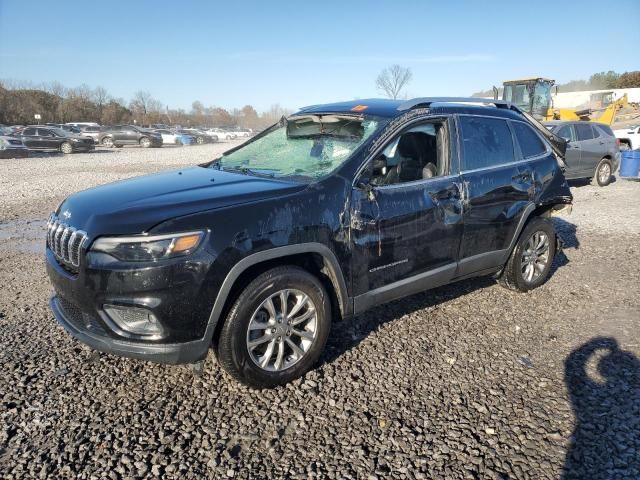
x,y
302,146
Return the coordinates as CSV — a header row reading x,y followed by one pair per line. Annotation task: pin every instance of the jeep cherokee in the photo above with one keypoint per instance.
x,y
333,210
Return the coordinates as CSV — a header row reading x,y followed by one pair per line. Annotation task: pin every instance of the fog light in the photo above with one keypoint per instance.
x,y
135,321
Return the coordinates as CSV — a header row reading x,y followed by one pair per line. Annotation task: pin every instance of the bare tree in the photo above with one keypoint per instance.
x,y
392,80
140,104
100,97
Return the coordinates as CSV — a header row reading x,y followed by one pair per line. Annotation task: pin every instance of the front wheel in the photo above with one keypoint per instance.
x,y
530,262
145,142
66,148
276,329
199,140
107,142
602,176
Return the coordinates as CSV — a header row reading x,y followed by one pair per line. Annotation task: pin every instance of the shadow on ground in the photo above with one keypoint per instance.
x,y
603,382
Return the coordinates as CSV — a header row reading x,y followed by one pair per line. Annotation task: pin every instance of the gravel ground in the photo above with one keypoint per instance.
x,y
466,381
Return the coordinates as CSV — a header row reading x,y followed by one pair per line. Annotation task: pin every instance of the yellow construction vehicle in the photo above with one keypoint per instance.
x,y
533,95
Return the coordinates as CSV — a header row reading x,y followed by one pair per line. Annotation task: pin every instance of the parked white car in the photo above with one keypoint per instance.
x,y
629,137
170,138
241,132
222,134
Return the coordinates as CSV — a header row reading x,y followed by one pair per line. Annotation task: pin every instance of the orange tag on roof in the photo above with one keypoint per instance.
x,y
359,108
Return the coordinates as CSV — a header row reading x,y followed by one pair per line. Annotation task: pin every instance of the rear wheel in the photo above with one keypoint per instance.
x,y
602,176
199,140
530,262
276,329
66,148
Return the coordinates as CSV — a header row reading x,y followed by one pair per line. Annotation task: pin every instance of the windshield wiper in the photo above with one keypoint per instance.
x,y
265,172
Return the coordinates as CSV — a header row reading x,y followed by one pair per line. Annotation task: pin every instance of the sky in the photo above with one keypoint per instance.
x,y
297,53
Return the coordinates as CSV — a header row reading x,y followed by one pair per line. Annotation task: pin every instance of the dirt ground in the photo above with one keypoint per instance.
x,y
465,381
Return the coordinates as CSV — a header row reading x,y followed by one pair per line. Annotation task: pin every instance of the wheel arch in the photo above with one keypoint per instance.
x,y
315,258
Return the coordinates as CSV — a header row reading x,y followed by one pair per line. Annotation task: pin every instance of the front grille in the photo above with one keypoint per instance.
x,y
65,242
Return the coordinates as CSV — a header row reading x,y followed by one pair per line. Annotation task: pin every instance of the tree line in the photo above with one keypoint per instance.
x,y
56,103
597,81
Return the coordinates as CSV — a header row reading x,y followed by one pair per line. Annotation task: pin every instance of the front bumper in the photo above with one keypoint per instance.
x,y
81,327
83,147
176,292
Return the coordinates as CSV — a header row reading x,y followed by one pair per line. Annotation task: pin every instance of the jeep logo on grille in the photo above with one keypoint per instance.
x,y
66,214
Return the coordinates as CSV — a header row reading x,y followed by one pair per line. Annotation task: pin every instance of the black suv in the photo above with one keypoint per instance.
x,y
332,211
120,135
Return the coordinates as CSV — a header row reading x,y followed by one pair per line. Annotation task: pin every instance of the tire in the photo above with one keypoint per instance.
x,y
145,142
199,140
242,361
602,175
107,142
66,148
516,274
228,137
178,142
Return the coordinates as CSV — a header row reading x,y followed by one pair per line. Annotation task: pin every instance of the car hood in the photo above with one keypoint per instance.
x,y
137,204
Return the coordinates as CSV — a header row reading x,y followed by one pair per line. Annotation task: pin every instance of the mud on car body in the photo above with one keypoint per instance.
x,y
333,210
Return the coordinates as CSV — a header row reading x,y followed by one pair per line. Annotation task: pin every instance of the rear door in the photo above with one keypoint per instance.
x,y
30,138
498,189
590,148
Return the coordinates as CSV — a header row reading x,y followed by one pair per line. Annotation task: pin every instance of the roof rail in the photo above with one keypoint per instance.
x,y
427,101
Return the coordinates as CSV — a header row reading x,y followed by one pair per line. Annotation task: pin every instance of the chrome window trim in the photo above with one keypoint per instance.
x,y
413,182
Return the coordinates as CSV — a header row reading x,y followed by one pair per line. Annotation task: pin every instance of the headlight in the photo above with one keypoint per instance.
x,y
75,139
148,248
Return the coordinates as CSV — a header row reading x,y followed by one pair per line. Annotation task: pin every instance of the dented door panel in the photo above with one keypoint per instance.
x,y
496,198
404,230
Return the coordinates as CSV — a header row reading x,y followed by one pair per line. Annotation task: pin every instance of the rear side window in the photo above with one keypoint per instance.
x,y
583,131
530,143
604,130
486,142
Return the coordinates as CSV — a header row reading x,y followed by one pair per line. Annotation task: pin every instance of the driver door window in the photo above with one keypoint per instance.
x,y
419,153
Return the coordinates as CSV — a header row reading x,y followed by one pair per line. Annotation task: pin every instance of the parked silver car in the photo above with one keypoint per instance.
x,y
11,147
92,131
592,151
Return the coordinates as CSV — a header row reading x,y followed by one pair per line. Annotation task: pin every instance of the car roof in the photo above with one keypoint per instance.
x,y
383,107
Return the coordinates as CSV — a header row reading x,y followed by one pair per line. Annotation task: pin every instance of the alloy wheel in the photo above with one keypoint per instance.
x,y
282,330
604,172
535,256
